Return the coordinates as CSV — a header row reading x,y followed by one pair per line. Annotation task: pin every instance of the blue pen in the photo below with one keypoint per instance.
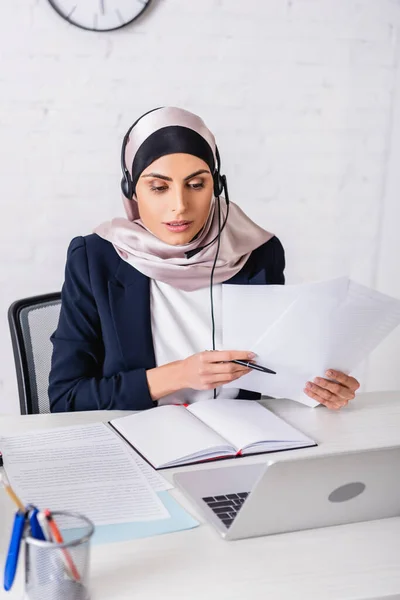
x,y
36,530
13,550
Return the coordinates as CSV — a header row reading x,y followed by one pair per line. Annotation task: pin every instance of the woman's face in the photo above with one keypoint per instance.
x,y
174,195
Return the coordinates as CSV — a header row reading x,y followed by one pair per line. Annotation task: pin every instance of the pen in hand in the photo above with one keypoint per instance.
x,y
251,365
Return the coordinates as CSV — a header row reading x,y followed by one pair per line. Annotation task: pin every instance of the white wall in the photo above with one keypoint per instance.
x,y
300,94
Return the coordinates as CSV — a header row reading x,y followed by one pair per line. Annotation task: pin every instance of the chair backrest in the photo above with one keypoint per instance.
x,y
32,321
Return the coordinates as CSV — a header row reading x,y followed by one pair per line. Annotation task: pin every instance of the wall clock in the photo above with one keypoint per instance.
x,y
100,15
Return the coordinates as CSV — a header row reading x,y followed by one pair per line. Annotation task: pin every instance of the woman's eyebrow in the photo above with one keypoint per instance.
x,y
196,173
158,176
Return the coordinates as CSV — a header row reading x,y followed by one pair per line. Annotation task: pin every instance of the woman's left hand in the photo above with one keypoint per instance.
x,y
333,394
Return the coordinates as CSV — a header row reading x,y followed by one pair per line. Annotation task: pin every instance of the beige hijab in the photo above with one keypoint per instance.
x,y
158,260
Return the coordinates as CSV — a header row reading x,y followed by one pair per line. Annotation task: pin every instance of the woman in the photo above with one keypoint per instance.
x,y
135,317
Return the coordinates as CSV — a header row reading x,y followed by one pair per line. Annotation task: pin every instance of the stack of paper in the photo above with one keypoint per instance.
x,y
300,331
88,469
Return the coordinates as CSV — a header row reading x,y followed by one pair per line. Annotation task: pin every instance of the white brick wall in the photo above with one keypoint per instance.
x,y
300,94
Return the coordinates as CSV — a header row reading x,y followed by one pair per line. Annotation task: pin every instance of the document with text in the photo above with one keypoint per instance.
x,y
86,469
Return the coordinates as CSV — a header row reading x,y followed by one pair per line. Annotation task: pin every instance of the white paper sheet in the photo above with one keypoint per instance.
x,y
85,469
249,311
334,325
157,482
360,323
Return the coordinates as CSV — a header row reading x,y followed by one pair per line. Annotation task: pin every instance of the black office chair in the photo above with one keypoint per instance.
x,y
32,321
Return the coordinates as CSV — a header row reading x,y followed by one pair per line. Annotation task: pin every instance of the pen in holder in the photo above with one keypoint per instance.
x,y
59,571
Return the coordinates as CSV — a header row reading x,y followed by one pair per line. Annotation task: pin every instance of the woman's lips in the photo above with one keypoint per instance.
x,y
178,226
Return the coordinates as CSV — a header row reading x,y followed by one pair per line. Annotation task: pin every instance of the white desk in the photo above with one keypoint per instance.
x,y
359,561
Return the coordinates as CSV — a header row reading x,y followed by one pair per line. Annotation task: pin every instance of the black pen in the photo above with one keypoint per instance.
x,y
250,365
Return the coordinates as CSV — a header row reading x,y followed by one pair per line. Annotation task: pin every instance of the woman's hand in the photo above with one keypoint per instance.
x,y
201,371
210,369
333,394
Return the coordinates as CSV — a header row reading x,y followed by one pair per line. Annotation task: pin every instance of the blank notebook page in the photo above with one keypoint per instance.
x,y
168,433
243,422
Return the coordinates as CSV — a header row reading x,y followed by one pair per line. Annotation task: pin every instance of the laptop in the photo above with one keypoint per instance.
x,y
296,493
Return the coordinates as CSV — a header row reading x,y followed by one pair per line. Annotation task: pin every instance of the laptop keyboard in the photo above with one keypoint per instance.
x,y
226,507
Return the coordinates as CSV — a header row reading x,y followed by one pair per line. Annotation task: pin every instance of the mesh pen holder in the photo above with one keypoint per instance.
x,y
60,571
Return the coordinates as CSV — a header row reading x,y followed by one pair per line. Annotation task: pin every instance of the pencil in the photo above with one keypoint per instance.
x,y
57,537
11,493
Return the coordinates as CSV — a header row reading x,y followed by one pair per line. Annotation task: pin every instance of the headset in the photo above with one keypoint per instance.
x,y
126,181
220,186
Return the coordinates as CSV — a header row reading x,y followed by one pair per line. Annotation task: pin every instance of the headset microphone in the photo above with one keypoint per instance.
x,y
220,186
220,229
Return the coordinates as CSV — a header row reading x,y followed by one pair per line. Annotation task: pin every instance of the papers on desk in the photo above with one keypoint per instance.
x,y
300,331
157,482
88,469
85,469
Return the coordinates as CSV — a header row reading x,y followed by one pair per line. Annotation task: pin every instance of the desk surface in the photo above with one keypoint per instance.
x,y
359,561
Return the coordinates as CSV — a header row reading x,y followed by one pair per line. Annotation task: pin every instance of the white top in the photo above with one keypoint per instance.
x,y
181,326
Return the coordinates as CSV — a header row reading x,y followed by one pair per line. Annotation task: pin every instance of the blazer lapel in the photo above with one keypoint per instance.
x,y
246,275
129,296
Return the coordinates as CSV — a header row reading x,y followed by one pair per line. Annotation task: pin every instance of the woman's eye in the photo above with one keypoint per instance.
x,y
197,186
158,188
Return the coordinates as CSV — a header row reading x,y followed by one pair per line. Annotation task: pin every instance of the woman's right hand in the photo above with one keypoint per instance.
x,y
202,371
210,369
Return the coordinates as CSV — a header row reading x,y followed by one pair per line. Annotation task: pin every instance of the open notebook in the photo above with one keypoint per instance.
x,y
169,436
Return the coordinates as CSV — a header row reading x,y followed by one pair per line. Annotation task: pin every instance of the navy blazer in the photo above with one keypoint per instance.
x,y
103,343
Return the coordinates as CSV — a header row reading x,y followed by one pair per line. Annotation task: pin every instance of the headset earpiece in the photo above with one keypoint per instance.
x,y
218,184
126,181
219,180
126,185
